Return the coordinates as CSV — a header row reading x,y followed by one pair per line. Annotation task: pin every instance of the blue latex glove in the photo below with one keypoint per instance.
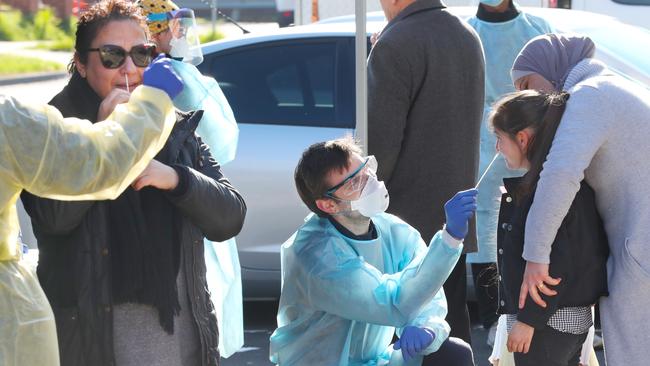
x,y
159,74
413,341
458,210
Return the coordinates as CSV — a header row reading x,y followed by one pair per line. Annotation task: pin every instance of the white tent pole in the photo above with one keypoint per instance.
x,y
361,78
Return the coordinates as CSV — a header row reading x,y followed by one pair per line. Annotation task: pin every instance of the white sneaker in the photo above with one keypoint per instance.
x,y
492,333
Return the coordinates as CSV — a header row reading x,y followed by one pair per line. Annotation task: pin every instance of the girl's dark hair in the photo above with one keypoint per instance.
x,y
538,110
316,163
95,18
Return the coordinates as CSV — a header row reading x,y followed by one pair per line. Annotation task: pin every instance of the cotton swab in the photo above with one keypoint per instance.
x,y
487,169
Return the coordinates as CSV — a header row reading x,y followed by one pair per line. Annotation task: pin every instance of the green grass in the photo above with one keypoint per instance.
x,y
12,64
65,44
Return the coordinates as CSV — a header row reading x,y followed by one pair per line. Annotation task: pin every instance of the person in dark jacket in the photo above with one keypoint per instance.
x,y
525,124
126,278
425,104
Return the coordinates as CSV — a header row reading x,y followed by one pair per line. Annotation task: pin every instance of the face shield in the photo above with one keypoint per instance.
x,y
185,41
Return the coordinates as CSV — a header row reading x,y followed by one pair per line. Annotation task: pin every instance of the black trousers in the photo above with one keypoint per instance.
x,y
486,288
456,293
552,348
457,313
452,352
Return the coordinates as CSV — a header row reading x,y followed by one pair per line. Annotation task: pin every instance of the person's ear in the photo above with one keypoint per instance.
x,y
81,68
327,205
520,84
523,138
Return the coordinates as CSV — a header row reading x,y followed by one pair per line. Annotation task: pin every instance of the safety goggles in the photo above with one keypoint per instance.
x,y
357,179
113,56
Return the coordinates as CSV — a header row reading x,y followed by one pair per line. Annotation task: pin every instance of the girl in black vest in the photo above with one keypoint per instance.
x,y
525,123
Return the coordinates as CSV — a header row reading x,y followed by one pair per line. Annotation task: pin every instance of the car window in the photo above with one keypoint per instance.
x,y
284,84
287,82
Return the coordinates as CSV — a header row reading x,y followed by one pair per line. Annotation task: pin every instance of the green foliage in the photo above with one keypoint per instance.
x,y
43,25
46,25
212,36
10,26
12,64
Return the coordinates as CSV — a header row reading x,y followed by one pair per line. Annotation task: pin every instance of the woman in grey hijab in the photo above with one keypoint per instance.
x,y
551,56
602,138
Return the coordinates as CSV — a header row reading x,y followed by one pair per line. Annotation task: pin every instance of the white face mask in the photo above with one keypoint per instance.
x,y
491,2
374,198
180,47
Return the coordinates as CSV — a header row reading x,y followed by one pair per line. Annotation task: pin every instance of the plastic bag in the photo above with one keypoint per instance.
x,y
224,282
27,327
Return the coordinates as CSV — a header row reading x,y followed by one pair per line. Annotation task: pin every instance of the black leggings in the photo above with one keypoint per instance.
x,y
552,348
452,352
486,288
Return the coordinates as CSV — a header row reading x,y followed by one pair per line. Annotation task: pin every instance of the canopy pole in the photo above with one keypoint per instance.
x,y
361,77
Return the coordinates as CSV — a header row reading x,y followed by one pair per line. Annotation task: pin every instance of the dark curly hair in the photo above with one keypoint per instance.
x,y
95,18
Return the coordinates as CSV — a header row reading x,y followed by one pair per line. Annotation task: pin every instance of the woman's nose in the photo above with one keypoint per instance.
x,y
129,67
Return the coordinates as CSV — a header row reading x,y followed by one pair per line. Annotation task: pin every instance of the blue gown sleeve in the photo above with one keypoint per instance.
x,y
345,285
432,316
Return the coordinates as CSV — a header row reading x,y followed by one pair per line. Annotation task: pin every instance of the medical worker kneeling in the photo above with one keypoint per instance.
x,y
67,159
354,276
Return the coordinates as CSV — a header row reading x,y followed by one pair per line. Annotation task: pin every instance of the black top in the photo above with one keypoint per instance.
x,y
76,241
370,235
425,99
496,17
578,257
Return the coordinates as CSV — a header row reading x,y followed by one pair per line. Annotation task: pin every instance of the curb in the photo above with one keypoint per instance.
x,y
30,78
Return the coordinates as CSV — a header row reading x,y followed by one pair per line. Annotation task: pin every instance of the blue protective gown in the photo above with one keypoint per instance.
x,y
342,299
218,127
501,44
219,130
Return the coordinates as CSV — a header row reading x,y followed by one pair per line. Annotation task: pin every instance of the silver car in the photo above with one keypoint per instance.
x,y
295,86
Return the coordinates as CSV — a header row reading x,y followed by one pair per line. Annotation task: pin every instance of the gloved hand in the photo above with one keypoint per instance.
x,y
458,210
159,74
413,341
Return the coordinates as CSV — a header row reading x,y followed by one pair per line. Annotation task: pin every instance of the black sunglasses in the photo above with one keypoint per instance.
x,y
113,56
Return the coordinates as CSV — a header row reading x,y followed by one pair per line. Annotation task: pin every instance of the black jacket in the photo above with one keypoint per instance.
x,y
579,256
425,103
74,265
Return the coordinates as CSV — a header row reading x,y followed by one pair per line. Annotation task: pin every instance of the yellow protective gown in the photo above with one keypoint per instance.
x,y
64,159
